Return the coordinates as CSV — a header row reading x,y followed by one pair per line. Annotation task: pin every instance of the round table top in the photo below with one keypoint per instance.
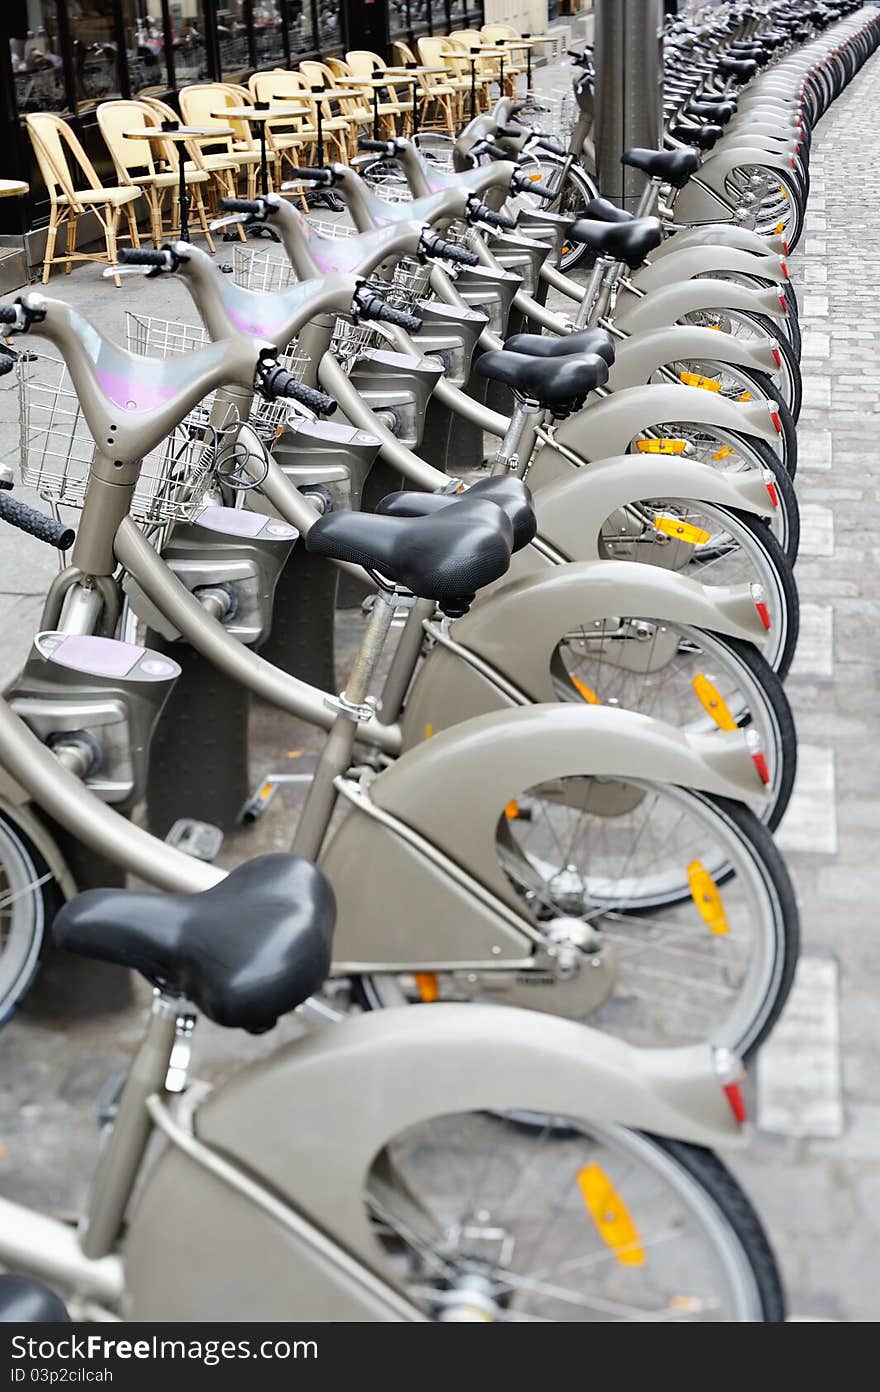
x,y
13,188
474,52
392,80
416,71
249,113
318,95
513,43
179,133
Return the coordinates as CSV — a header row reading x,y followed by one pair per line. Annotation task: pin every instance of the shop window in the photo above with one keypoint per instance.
x,y
144,34
188,39
35,51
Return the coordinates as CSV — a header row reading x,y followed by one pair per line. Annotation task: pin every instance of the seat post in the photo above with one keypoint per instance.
x,y
584,316
509,458
352,710
648,200
170,1022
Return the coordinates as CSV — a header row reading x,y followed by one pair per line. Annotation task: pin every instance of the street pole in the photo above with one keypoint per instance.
x,y
628,60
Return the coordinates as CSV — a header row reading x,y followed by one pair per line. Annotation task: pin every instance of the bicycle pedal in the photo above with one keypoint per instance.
x,y
201,840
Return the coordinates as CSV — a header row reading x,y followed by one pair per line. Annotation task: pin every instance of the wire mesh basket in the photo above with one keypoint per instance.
x,y
57,449
260,270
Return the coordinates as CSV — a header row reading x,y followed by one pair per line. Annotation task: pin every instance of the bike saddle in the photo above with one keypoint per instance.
x,y
672,166
510,494
25,1301
622,241
597,341
703,136
717,112
560,384
245,952
603,210
446,556
741,70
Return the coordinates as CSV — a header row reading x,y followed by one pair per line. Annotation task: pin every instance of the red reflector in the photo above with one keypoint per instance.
x,y
764,614
774,416
784,269
733,1093
774,496
793,162
777,357
761,765
783,303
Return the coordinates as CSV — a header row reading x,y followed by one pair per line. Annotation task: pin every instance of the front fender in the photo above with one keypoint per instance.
x,y
540,608
639,358
704,260
719,163
609,426
572,504
718,234
669,303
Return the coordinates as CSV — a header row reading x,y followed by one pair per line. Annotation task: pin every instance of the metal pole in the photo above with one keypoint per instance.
x,y
628,51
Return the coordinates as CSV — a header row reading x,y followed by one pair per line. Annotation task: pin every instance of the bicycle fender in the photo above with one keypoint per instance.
x,y
668,303
720,161
700,260
718,234
638,358
609,426
573,504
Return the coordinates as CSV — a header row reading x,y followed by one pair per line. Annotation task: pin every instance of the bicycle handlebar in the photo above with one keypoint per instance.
x,y
315,175
432,245
384,147
136,256
481,212
523,184
36,524
369,306
274,382
9,314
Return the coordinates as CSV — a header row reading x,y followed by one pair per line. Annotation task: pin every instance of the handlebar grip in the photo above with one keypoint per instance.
x,y
372,307
385,147
36,524
436,246
142,256
486,214
315,174
275,382
494,151
535,186
256,206
8,314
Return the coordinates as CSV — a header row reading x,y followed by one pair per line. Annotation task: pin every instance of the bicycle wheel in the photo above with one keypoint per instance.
x,y
680,899
29,899
698,681
780,206
726,547
731,451
744,325
571,199
790,325
483,1216
737,383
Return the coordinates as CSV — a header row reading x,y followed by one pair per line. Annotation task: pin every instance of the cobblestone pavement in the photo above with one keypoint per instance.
x,y
813,1163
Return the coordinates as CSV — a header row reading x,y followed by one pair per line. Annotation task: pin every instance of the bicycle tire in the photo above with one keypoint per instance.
x,y
38,895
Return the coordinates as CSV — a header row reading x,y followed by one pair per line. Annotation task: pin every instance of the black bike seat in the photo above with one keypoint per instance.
x,y
603,210
25,1301
508,493
739,69
622,241
245,952
703,136
672,166
552,382
718,112
446,556
597,341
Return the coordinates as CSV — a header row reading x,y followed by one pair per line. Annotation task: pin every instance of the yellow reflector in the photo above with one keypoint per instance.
x,y
586,691
724,452
716,327
661,446
511,811
429,730
695,379
783,191
566,249
535,178
780,227
704,892
266,791
713,702
745,396
428,986
681,531
611,1215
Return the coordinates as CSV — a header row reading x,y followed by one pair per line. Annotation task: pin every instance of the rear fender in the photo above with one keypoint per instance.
x,y
702,260
718,234
669,303
638,358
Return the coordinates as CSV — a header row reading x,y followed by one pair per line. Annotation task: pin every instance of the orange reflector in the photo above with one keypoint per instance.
x,y
780,227
661,446
611,1215
713,702
783,191
428,986
724,453
681,531
695,379
586,691
704,892
266,791
745,396
511,811
535,178
429,730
